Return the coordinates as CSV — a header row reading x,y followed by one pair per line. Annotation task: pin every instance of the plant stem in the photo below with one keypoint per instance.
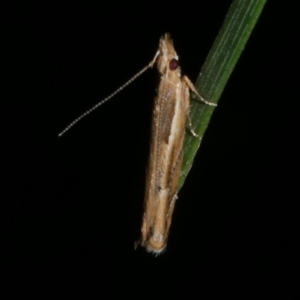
x,y
225,52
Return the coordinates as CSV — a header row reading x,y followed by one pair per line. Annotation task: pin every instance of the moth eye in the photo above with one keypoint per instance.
x,y
174,64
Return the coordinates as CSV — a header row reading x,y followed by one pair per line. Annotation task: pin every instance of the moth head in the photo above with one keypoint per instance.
x,y
168,58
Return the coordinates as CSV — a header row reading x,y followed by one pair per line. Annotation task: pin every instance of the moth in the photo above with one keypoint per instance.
x,y
169,123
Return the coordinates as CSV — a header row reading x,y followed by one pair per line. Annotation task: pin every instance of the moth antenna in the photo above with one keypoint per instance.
x,y
110,96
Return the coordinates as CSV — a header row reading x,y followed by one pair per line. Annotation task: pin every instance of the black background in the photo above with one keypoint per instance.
x,y
75,203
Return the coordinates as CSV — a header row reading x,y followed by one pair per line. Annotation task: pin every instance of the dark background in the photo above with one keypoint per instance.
x,y
75,203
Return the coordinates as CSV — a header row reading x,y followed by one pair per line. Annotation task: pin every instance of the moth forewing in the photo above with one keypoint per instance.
x,y
168,129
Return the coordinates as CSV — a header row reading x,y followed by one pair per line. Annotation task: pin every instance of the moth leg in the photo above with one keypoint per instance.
x,y
193,89
191,128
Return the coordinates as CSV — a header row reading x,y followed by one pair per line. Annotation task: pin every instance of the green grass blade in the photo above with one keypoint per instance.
x,y
225,52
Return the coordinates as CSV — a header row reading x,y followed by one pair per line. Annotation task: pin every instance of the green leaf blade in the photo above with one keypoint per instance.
x,y
226,50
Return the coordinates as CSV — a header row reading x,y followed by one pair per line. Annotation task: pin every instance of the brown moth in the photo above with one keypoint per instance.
x,y
170,114
171,109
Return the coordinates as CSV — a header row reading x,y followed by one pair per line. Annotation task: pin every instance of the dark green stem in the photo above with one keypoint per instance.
x,y
225,52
